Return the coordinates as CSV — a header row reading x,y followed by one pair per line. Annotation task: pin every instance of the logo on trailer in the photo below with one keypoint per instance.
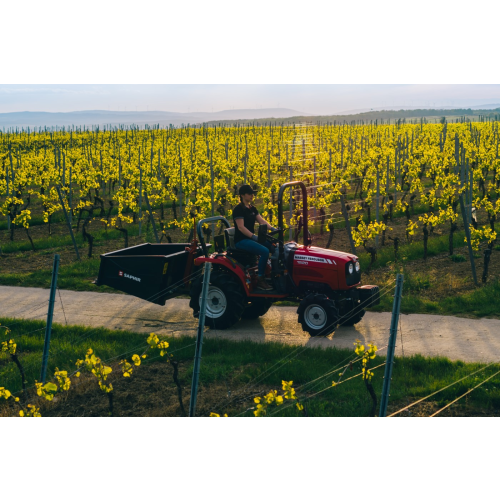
x,y
129,276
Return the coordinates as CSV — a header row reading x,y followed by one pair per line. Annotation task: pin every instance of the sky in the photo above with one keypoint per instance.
x,y
317,99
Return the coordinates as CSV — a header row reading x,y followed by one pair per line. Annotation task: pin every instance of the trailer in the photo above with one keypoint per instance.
x,y
154,272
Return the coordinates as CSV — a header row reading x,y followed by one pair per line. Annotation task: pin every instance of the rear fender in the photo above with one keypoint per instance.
x,y
230,264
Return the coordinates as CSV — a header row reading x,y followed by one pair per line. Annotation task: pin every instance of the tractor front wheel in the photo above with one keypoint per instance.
x,y
353,317
258,307
225,300
318,315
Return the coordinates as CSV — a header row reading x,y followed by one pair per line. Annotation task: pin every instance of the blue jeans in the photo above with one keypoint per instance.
x,y
253,247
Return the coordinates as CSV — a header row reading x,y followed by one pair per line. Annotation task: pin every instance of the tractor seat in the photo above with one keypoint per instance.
x,y
245,258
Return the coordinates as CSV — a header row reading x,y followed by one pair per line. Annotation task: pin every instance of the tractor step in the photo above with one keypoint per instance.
x,y
268,293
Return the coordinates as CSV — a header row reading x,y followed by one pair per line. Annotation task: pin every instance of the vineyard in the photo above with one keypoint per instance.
x,y
388,192
421,198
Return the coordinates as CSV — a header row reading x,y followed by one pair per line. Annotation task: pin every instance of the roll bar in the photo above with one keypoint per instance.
x,y
307,239
205,221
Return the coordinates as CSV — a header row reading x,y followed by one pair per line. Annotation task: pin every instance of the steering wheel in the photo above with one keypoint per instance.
x,y
270,238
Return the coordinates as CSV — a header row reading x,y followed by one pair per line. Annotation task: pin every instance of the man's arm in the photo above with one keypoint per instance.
x,y
261,220
241,226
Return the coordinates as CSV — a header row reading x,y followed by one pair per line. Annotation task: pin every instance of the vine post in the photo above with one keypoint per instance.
x,y
153,223
68,222
387,181
7,179
347,225
199,339
268,169
378,203
471,188
396,154
70,195
50,314
212,191
314,184
330,166
180,184
291,194
464,181
396,306
467,234
140,193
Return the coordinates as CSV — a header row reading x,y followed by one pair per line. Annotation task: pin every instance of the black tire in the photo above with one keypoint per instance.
x,y
318,315
258,307
353,318
225,303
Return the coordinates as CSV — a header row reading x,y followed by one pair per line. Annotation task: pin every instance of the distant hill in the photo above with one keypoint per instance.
x,y
140,118
414,108
228,117
371,116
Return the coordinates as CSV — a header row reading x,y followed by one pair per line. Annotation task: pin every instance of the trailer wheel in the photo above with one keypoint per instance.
x,y
225,300
258,307
318,315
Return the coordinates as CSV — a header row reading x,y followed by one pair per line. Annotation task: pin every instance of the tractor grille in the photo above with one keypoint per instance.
x,y
354,278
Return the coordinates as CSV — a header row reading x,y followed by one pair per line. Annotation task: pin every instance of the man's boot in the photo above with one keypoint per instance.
x,y
262,284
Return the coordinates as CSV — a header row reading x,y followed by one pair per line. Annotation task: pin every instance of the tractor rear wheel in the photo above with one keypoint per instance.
x,y
258,307
318,315
225,300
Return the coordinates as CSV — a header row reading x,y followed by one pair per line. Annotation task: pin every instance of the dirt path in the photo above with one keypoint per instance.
x,y
456,338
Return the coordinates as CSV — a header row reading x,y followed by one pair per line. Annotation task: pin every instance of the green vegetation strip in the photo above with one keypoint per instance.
x,y
236,365
479,303
58,241
76,276
412,251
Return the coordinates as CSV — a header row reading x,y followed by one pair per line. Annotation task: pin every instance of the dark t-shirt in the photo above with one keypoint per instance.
x,y
248,215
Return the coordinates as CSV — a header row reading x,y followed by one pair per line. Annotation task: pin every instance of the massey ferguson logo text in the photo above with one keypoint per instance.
x,y
129,276
308,258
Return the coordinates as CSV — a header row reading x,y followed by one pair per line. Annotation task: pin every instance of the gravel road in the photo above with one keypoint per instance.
x,y
430,335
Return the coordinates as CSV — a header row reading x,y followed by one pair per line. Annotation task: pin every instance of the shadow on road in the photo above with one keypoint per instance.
x,y
344,337
247,329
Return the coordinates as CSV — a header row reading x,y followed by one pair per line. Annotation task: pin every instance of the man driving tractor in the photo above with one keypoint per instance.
x,y
245,215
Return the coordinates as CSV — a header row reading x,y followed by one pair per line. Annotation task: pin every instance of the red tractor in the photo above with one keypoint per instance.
x,y
325,283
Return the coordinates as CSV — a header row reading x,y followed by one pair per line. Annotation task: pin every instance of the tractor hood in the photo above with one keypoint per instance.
x,y
329,267
323,253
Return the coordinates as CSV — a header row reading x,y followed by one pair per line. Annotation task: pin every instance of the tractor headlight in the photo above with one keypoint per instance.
x,y
351,268
358,267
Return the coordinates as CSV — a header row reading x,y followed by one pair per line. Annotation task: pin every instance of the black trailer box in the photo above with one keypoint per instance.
x,y
151,271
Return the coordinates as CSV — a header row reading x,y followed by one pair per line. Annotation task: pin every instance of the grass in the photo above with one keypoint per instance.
x,y
413,251
76,276
232,365
58,241
479,303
